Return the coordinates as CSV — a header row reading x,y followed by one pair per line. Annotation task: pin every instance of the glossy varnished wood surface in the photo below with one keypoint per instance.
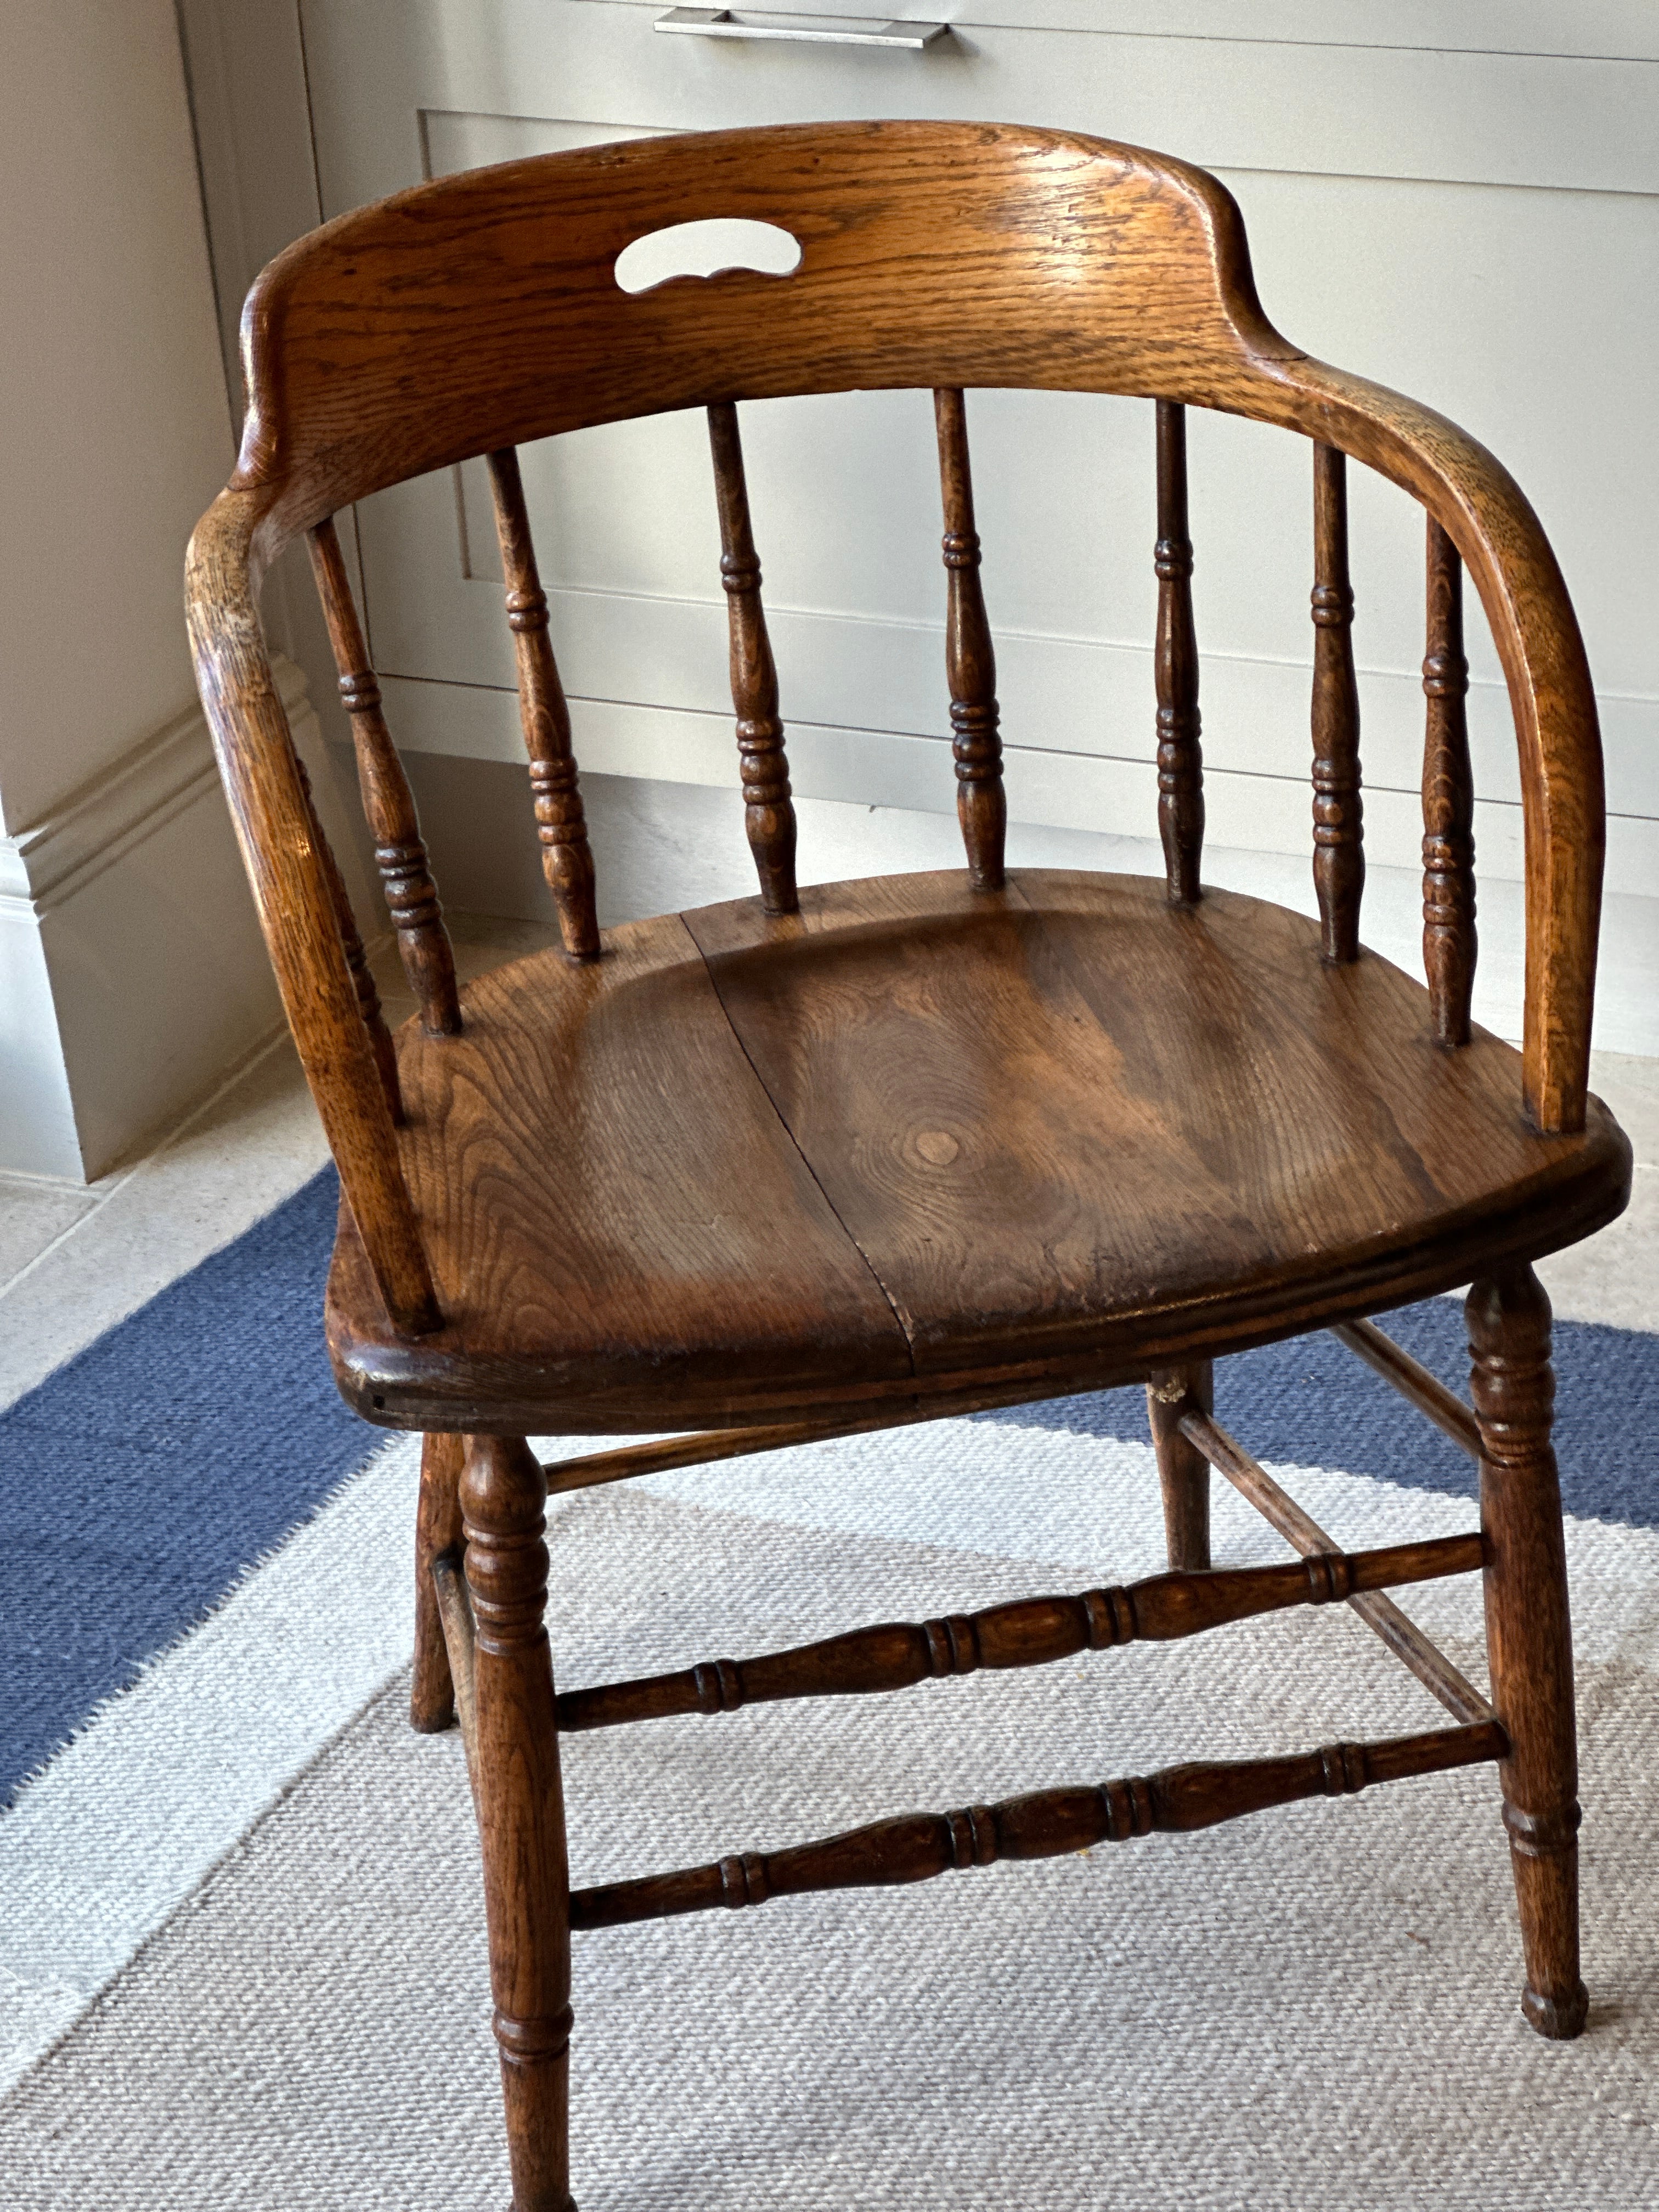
x,y
749,1162
934,256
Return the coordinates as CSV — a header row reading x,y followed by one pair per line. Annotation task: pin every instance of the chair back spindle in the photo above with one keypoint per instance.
x,y
1448,932
1180,754
969,657
1339,851
412,896
351,943
768,816
560,823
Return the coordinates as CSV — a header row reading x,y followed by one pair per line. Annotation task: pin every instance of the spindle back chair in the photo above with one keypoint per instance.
x,y
830,1160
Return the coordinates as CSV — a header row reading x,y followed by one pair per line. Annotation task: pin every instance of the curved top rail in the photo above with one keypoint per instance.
x,y
482,311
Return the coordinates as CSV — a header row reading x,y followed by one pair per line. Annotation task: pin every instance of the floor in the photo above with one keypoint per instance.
x,y
73,1261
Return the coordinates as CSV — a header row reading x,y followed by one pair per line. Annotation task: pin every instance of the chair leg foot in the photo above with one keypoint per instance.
x,y
520,1813
1528,1635
1182,1469
437,1530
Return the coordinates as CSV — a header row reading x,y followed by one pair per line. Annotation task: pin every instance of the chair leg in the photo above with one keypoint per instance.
x,y
1528,1636
1182,1469
521,1812
437,1530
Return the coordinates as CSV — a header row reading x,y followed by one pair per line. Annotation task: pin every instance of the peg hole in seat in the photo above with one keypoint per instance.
x,y
709,248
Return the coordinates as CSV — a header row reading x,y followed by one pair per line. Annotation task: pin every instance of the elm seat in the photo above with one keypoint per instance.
x,y
746,1165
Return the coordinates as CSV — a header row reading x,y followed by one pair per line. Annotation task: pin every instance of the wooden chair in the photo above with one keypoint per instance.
x,y
828,1161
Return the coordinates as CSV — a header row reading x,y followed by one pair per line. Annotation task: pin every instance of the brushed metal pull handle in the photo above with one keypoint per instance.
x,y
805,30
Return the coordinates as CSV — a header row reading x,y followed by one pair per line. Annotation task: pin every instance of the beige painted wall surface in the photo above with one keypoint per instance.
x,y
117,432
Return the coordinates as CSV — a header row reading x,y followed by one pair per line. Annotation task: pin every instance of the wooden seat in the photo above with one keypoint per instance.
x,y
837,1159
916,1132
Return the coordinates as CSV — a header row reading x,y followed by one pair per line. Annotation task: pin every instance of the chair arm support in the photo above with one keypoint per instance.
x,y
291,891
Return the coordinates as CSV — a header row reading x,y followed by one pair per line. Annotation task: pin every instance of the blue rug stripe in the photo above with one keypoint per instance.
x,y
1311,1403
145,1475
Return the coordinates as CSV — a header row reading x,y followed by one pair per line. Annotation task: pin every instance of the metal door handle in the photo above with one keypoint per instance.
x,y
816,30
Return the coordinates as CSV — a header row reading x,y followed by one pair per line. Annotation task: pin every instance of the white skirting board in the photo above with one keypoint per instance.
x,y
660,846
133,975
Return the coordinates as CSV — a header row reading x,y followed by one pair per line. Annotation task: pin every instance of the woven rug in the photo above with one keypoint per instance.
x,y
241,1943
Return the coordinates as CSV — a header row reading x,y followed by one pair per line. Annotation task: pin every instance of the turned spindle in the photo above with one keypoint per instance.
x,y
362,982
969,657
561,825
520,1805
1339,852
1180,754
918,1846
1530,1634
1448,932
411,898
768,816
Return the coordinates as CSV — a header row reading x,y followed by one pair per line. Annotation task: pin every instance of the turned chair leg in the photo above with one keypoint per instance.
x,y
437,1530
1182,1469
1529,1637
520,1813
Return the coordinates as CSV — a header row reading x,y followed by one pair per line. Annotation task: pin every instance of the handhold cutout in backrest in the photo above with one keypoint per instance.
x,y
707,249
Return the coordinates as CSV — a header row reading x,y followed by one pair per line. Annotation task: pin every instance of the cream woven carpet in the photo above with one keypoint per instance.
x,y
1317,2007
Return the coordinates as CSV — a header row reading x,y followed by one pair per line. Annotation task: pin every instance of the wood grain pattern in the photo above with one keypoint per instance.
x,y
934,255
412,896
885,1150
560,823
521,1814
969,657
1028,1633
1339,849
1062,1131
768,816
1448,932
1183,1472
1175,663
613,1208
356,959
1530,1634
914,1848
437,1533
1379,1614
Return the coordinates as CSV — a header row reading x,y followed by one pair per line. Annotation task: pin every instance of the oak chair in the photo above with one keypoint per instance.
x,y
830,1160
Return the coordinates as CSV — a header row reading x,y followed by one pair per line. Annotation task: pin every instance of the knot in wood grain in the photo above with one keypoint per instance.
x,y
719,1686
534,2042
1446,676
960,548
1344,1768
359,692
1543,1835
526,611
1332,606
973,1832
743,1880
1172,559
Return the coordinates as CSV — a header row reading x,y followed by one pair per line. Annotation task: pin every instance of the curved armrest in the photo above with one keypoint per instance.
x,y
1484,511
274,828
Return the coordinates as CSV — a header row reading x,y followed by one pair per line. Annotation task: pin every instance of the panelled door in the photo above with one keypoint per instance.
x,y
1408,222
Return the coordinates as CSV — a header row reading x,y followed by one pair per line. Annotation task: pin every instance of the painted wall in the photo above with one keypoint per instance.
x,y
131,969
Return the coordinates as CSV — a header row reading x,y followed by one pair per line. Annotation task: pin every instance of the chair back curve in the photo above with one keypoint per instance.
x,y
471,315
